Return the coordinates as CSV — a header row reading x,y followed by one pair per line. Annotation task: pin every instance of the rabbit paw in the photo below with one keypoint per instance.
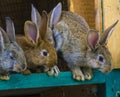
x,y
88,75
78,76
27,72
53,71
4,77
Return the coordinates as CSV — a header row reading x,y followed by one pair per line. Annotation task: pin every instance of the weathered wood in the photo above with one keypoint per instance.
x,y
85,8
113,83
111,9
19,81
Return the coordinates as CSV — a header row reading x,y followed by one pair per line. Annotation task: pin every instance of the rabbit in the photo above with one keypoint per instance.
x,y
12,57
38,50
36,18
82,48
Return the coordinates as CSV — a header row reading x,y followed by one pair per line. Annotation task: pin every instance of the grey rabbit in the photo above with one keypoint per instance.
x,y
81,47
12,57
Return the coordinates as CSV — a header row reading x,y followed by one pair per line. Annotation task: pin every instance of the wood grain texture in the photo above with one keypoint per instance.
x,y
85,8
111,14
19,81
98,15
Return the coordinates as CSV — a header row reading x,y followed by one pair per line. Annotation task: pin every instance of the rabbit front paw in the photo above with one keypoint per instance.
x,y
53,71
27,72
77,74
87,73
4,77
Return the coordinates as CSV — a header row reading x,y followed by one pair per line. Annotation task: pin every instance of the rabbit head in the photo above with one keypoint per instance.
x,y
98,56
12,56
40,52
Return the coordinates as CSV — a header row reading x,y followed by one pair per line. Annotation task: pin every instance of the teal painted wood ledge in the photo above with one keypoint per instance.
x,y
20,81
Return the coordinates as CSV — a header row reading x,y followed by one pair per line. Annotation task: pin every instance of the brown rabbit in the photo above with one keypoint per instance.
x,y
81,47
37,48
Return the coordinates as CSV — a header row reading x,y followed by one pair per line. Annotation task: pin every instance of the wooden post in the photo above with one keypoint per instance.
x,y
113,84
111,9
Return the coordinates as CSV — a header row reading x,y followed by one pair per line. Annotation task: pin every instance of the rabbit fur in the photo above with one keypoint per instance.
x,y
81,47
38,50
12,57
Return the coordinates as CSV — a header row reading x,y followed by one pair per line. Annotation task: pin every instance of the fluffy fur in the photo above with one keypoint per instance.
x,y
82,48
11,55
38,49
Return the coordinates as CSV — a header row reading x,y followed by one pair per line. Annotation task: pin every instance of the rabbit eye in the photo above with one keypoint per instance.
x,y
44,53
100,58
11,55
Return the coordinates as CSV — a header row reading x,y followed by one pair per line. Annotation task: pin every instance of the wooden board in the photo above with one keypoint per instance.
x,y
111,9
19,81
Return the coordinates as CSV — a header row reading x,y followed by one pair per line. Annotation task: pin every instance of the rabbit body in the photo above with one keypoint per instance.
x,y
80,46
74,33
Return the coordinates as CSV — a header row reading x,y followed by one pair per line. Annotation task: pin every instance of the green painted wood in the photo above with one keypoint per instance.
x,y
113,83
19,81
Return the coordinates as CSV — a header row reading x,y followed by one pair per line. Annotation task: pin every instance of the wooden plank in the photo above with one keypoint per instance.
x,y
98,15
23,92
113,84
19,81
111,9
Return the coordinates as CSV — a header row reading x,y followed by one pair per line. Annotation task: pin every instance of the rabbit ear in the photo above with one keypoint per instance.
x,y
5,37
107,33
10,29
43,26
35,16
2,46
31,32
55,16
93,38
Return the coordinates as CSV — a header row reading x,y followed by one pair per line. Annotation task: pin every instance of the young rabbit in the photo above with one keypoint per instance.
x,y
38,50
12,58
81,47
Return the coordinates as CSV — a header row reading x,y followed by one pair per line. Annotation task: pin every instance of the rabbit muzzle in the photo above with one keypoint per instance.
x,y
51,64
18,68
106,69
